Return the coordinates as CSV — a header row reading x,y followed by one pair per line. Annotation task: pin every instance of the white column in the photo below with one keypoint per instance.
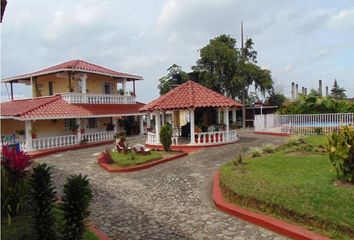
x,y
78,122
83,79
219,116
261,110
115,122
28,128
234,115
191,120
163,118
157,126
148,120
141,124
124,85
226,121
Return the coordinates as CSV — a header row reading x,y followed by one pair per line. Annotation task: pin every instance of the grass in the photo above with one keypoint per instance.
x,y
297,183
132,159
21,228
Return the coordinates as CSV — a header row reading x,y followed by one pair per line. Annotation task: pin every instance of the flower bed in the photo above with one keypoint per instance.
x,y
133,162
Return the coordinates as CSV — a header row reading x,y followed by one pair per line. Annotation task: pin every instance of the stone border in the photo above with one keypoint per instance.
x,y
265,221
150,164
98,233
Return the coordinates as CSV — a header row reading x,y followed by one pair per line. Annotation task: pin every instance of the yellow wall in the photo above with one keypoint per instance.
x,y
45,128
10,126
61,84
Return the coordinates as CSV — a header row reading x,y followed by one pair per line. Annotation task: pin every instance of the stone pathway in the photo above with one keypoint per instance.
x,y
168,201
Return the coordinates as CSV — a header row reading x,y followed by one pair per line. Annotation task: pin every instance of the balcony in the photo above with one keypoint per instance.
x,y
93,98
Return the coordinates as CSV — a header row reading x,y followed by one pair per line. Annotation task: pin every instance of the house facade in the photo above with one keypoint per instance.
x,y
72,103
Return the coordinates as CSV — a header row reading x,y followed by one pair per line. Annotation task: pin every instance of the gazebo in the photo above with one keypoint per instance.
x,y
206,110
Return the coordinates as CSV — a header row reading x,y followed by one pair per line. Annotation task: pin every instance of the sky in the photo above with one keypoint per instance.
x,y
301,41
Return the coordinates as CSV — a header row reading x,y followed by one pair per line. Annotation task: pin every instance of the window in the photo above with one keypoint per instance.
x,y
92,123
68,123
50,88
107,88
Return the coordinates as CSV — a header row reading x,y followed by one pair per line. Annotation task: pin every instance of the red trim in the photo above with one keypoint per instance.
x,y
111,168
272,133
98,233
45,152
265,221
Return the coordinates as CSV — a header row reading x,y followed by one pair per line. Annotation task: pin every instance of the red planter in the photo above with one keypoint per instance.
x,y
34,135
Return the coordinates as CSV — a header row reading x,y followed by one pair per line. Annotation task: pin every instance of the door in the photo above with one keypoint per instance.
x,y
50,88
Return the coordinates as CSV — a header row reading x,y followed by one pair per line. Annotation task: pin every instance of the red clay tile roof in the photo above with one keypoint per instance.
x,y
56,107
190,95
75,65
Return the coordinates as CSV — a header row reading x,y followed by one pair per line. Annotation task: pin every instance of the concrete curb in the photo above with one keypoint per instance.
x,y
265,221
109,168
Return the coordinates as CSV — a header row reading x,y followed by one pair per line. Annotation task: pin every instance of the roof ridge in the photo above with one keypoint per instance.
x,y
55,98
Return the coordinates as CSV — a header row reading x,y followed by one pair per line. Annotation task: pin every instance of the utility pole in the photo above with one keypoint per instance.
x,y
244,86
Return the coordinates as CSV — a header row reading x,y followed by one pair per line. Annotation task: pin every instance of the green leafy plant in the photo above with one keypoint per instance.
x,y
166,137
75,206
255,151
42,197
318,130
268,148
295,140
340,147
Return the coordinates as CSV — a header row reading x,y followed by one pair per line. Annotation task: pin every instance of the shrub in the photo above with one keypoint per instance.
x,y
268,148
340,147
14,185
42,197
166,137
255,151
318,130
295,140
75,206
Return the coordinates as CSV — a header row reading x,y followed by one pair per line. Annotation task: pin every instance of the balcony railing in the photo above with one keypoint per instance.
x,y
94,98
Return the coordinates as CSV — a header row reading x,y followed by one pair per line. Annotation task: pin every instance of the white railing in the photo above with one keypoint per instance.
x,y
98,136
202,138
152,139
68,140
97,98
21,142
56,141
303,123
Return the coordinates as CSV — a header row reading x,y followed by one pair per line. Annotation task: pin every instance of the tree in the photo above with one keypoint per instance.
x,y
166,137
275,99
174,72
337,92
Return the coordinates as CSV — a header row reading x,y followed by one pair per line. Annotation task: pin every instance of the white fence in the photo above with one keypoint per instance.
x,y
302,123
202,138
21,142
67,140
97,98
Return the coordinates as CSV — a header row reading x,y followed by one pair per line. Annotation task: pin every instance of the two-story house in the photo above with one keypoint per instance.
x,y
73,102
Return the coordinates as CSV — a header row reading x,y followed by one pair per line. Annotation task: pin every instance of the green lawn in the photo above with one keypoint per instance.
x,y
297,183
21,228
132,159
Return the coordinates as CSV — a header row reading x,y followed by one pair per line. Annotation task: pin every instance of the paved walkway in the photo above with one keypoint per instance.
x,y
168,201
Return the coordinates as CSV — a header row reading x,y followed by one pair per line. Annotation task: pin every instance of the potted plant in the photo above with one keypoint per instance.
x,y
132,93
33,132
73,128
120,91
21,132
82,130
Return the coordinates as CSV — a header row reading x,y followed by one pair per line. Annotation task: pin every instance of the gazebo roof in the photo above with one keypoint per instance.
x,y
190,95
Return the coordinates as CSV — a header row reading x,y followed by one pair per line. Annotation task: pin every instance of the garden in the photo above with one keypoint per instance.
x,y
31,208
309,181
124,157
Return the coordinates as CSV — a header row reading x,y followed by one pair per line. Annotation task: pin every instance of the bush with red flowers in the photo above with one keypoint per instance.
x,y
14,184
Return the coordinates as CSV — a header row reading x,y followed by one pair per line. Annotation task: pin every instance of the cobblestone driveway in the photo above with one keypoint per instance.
x,y
168,201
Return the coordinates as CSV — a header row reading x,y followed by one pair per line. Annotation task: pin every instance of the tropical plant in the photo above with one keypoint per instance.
x,y
166,137
318,130
14,185
42,197
75,206
340,147
255,151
